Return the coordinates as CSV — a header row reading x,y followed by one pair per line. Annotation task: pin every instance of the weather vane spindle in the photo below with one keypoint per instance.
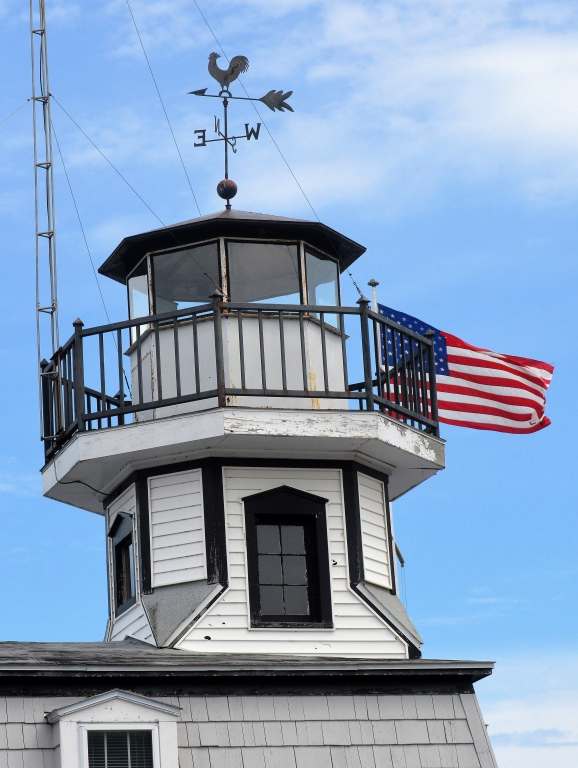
x,y
275,100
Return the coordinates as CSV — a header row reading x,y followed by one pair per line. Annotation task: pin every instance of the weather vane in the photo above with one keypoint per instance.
x,y
227,189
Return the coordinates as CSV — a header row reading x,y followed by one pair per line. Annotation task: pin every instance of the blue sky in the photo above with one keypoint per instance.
x,y
441,134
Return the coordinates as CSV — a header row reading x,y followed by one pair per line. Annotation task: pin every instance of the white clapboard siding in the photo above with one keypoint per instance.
x,y
357,630
177,528
374,537
133,622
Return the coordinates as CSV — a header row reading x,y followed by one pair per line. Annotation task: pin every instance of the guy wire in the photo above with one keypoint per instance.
x,y
163,106
15,111
143,201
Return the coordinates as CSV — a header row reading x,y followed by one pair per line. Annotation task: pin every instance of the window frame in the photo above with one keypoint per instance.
x,y
300,263
263,506
119,726
117,535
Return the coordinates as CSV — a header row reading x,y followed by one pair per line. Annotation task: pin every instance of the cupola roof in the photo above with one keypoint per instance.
x,y
231,223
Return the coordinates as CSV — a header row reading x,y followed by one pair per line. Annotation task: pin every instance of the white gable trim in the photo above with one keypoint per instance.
x,y
133,698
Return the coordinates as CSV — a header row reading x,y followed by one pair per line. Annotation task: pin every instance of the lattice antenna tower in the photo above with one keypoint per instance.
x,y
45,219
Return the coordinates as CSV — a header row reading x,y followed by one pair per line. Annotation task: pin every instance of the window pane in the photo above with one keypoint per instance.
x,y
268,540
111,749
125,579
138,296
264,272
96,755
322,277
141,749
271,601
183,278
296,602
270,571
294,569
322,284
293,539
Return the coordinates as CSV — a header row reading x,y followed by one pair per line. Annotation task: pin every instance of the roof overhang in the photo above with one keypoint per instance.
x,y
232,223
101,459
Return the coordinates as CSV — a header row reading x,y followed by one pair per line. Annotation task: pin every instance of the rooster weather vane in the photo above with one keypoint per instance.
x,y
275,100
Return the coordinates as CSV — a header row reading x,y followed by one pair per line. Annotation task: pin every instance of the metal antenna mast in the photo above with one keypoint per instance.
x,y
46,276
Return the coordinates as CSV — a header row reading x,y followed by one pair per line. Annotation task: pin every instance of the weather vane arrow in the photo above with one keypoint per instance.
x,y
275,100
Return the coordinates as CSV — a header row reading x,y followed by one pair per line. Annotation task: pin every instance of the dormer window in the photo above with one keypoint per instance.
x,y
120,749
122,542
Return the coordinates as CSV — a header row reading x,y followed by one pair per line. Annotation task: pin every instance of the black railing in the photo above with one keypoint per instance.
x,y
232,354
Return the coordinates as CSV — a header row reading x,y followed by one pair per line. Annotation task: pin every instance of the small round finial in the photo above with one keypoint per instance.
x,y
227,189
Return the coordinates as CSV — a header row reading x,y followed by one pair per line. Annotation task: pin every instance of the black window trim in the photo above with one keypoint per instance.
x,y
322,583
117,534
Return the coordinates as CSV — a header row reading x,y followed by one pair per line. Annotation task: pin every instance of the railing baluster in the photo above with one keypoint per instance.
x,y
304,370
177,354
387,332
344,353
241,347
217,296
262,351
102,372
404,388
377,357
366,350
196,354
78,375
395,368
423,381
324,352
120,375
139,365
415,386
159,375
432,380
282,349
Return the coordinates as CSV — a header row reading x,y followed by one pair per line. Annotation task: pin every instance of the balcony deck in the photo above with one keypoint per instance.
x,y
243,380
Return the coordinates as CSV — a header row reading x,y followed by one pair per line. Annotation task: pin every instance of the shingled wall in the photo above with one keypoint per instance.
x,y
389,731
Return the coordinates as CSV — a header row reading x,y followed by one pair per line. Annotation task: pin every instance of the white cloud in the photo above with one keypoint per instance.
x,y
531,707
396,99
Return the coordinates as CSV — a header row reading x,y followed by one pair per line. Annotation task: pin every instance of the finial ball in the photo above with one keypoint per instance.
x,y
227,189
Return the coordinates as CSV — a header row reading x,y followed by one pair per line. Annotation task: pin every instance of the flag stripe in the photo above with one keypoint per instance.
x,y
476,387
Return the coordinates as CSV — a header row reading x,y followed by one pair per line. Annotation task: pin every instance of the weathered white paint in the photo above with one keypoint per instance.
x,y
115,711
374,537
134,621
103,458
177,528
232,363
357,630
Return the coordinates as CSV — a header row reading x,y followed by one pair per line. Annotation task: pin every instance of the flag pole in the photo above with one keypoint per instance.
x,y
373,285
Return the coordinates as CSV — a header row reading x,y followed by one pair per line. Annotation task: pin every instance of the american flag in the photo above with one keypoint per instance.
x,y
478,388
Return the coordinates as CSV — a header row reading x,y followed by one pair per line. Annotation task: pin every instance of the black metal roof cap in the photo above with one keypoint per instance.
x,y
229,224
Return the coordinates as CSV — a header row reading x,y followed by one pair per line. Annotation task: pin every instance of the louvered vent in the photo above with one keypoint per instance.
x,y
120,749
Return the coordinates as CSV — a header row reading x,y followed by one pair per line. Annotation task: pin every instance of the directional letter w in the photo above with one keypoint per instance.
x,y
252,132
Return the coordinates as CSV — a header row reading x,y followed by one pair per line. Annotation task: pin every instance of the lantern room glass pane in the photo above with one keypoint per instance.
x,y
264,272
138,291
322,283
186,277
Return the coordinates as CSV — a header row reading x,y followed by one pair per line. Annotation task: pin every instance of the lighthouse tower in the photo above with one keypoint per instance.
x,y
243,445
242,433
